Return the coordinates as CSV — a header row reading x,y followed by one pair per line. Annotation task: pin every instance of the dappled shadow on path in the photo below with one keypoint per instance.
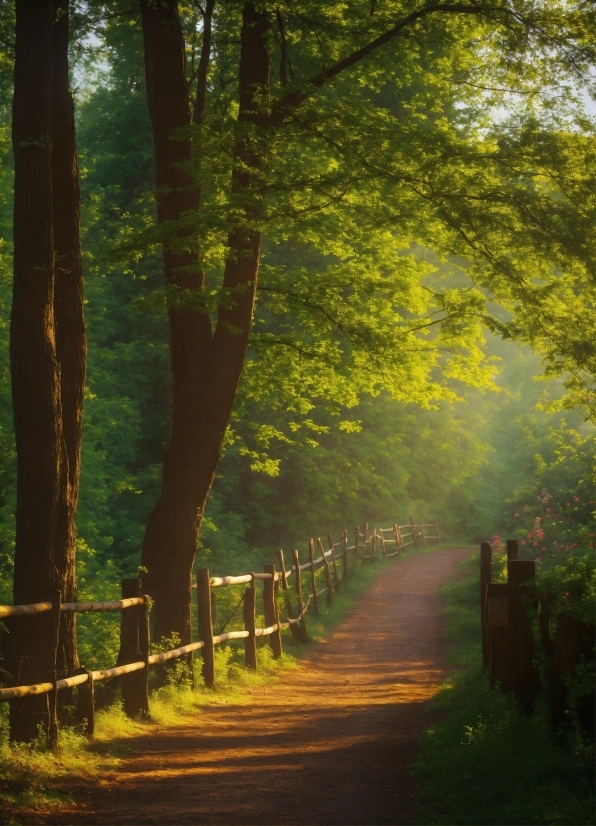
x,y
330,743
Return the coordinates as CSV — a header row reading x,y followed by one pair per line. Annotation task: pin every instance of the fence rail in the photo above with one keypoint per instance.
x,y
135,657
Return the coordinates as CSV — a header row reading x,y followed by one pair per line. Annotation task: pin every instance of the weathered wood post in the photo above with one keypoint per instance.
x,y
53,626
303,634
206,626
398,538
574,641
414,537
422,532
373,545
485,579
86,702
271,611
250,642
496,596
344,555
313,581
327,572
333,559
135,686
287,601
523,675
437,531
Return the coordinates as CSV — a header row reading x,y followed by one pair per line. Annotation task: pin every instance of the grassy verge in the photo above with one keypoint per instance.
x,y
485,762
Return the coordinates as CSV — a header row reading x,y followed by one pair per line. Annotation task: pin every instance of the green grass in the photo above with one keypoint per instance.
x,y
30,775
485,762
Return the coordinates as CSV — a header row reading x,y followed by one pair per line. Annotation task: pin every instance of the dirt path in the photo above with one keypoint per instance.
x,y
330,743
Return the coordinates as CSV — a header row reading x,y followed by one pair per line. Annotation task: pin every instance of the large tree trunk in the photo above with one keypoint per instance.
x,y
71,347
34,366
47,350
206,369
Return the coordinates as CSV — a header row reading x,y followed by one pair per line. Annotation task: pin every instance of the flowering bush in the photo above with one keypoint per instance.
x,y
554,524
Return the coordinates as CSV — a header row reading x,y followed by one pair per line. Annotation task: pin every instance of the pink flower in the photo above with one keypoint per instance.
x,y
568,504
523,542
548,510
516,516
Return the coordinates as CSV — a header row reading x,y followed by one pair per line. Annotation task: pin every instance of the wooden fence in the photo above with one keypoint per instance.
x,y
135,658
508,612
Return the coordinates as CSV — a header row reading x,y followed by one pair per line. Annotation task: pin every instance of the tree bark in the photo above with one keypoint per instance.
x,y
34,365
47,349
206,367
71,345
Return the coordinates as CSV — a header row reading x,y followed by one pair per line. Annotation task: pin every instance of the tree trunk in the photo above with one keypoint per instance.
x,y
34,366
47,350
206,369
71,347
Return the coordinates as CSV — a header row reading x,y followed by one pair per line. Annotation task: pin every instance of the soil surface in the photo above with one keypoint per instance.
x,y
329,743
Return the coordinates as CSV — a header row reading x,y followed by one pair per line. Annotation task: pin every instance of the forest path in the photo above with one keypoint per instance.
x,y
329,743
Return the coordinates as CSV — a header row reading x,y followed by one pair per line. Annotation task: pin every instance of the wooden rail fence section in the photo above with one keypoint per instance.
x,y
135,656
506,614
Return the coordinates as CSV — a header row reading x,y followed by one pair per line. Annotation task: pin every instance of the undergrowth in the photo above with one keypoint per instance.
x,y
30,775
485,762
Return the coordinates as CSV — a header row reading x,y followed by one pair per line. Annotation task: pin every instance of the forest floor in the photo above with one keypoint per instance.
x,y
331,742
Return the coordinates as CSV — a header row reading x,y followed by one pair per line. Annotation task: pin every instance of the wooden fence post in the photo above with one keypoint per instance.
x,y
206,626
271,611
485,579
496,597
327,572
303,634
86,702
311,554
398,538
250,642
522,672
414,532
437,531
344,555
574,640
334,560
287,601
53,635
135,686
422,532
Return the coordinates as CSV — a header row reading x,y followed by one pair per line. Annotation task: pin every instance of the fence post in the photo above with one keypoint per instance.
x,y
334,560
422,532
523,674
86,702
303,634
574,640
271,611
327,571
284,587
206,626
485,579
414,532
344,555
383,548
398,538
250,642
437,530
311,554
54,634
135,689
496,597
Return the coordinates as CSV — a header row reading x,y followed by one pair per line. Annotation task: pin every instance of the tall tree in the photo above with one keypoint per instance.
x,y
344,43
47,346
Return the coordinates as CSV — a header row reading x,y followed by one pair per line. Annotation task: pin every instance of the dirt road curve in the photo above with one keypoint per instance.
x,y
330,743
